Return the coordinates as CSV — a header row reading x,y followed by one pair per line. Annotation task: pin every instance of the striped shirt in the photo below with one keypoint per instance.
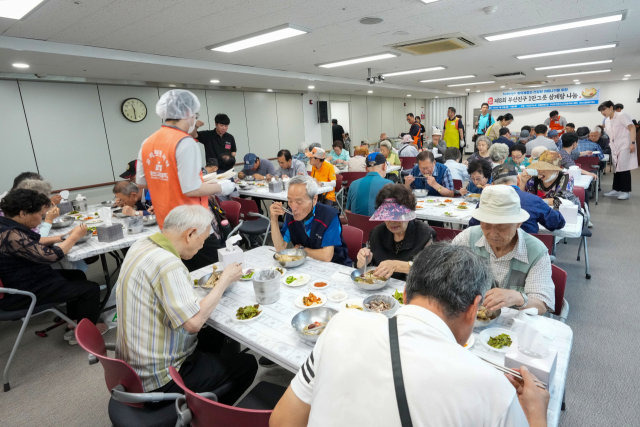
x,y
154,298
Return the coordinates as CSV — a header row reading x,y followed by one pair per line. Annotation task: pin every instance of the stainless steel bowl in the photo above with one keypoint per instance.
x,y
119,215
82,239
420,193
484,323
379,284
291,264
308,316
149,220
386,298
62,222
108,203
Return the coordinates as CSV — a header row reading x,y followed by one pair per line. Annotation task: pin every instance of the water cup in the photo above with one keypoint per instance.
x,y
266,285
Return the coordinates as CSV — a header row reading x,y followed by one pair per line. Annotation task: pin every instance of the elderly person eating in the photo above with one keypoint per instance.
x,y
550,183
520,262
25,263
358,163
362,192
161,318
479,177
431,176
348,379
498,153
338,155
394,244
392,157
131,199
309,225
408,147
324,173
483,143
518,157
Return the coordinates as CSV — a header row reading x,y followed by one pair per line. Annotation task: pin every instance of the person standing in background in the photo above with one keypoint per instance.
x,y
622,134
484,120
218,141
415,130
556,122
453,129
422,131
502,121
337,131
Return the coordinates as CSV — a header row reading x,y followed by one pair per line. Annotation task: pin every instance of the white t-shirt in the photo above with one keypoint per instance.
x,y
189,162
348,379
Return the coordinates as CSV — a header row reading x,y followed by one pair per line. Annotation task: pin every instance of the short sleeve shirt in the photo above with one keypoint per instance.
x,y
215,145
326,173
332,236
363,193
265,168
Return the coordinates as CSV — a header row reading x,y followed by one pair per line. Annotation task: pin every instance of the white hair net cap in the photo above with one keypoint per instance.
x,y
177,104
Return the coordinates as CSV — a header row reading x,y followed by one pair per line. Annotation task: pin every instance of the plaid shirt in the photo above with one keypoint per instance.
x,y
441,173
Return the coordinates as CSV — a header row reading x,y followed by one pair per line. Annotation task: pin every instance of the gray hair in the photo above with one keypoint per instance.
x,y
484,138
314,145
386,143
499,152
451,276
125,187
537,151
40,186
597,129
182,218
507,180
308,182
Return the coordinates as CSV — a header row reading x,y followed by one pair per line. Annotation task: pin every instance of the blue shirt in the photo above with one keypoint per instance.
x,y
363,192
504,140
587,145
441,173
539,213
472,188
484,123
331,237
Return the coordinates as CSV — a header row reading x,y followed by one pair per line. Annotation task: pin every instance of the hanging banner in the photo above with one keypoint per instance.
x,y
543,97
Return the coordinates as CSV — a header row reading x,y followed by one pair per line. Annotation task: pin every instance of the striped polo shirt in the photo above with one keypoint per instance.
x,y
154,298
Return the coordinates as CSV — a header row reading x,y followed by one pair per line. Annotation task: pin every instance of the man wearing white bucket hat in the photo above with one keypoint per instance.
x,y
520,262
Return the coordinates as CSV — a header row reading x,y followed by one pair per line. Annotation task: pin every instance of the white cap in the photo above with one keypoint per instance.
x,y
177,104
500,204
436,131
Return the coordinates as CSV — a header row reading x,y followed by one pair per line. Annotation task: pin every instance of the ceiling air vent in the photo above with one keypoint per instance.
x,y
534,83
437,45
510,76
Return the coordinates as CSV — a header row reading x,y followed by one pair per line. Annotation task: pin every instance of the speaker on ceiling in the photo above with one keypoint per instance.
x,y
323,112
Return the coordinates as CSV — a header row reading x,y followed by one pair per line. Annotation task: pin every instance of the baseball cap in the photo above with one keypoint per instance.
x,y
250,160
524,134
317,152
502,171
130,172
375,159
552,133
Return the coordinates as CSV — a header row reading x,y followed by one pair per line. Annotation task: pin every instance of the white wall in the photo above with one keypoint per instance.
x,y
624,92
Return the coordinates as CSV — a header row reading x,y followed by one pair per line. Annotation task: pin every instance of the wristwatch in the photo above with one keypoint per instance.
x,y
525,298
410,263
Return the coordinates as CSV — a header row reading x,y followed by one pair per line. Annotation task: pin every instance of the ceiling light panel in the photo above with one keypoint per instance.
x,y
257,39
472,83
579,73
419,70
362,59
20,65
17,9
557,27
470,76
575,64
568,51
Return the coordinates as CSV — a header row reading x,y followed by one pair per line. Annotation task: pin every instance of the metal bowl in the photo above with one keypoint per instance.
x,y
62,221
108,203
386,298
308,316
484,323
291,264
420,193
366,286
149,220
119,215
82,239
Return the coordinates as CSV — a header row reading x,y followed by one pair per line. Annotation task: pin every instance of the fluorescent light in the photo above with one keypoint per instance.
x,y
580,72
625,78
21,65
502,87
556,27
409,95
478,90
256,39
420,70
311,87
17,9
470,76
627,75
437,96
427,2
214,81
369,91
472,83
269,90
566,51
576,80
576,64
358,60
468,90
172,85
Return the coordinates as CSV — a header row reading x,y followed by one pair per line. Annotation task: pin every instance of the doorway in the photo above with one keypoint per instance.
x,y
340,112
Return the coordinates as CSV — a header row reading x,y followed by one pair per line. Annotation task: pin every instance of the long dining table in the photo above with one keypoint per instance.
x,y
272,335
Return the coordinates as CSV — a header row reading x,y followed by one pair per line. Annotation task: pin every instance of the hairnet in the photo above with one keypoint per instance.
x,y
177,104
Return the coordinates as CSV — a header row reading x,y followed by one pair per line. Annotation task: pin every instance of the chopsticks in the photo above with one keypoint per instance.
x,y
511,372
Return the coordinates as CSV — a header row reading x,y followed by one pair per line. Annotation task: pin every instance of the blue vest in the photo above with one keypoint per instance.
x,y
440,170
320,222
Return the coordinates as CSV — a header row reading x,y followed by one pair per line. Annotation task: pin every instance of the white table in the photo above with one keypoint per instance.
x,y
272,335
430,208
390,168
583,181
262,192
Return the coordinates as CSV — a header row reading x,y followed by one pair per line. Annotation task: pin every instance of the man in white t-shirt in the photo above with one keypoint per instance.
x,y
348,380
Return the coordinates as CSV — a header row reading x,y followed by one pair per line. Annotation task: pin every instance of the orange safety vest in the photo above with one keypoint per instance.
x,y
555,124
417,140
161,172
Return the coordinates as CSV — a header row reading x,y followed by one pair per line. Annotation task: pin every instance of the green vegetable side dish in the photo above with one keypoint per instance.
x,y
249,275
248,312
290,279
398,296
502,340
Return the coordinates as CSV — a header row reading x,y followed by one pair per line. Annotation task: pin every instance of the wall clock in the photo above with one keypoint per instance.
x,y
133,110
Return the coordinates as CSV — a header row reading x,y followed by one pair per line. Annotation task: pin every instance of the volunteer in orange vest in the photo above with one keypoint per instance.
x,y
169,163
452,129
556,122
415,130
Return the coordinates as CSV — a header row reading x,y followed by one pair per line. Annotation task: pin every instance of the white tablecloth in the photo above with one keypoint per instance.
x,y
272,335
583,181
263,192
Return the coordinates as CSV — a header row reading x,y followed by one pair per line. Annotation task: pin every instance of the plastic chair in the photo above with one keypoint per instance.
x,y
203,409
547,239
407,163
591,164
231,209
349,177
443,234
255,224
354,238
362,222
126,406
25,314
339,191
559,278
580,194
457,184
